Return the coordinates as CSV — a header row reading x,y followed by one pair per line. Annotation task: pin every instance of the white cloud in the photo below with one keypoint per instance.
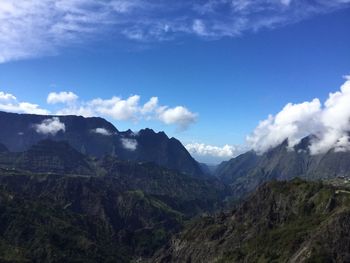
x,y
102,131
61,97
335,119
294,122
179,115
225,152
43,27
6,97
330,123
130,109
117,108
9,103
129,144
150,106
50,126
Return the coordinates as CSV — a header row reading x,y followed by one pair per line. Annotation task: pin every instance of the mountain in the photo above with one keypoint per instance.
x,y
295,221
164,151
58,205
247,171
3,148
49,157
208,169
96,137
85,226
183,191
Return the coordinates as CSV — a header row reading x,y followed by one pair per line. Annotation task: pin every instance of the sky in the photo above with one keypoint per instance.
x,y
222,76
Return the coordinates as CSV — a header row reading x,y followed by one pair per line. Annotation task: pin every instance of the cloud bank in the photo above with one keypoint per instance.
x,y
50,126
115,108
9,102
131,109
328,122
43,27
205,152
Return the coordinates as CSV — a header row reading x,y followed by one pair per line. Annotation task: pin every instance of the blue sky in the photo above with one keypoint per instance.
x,y
216,67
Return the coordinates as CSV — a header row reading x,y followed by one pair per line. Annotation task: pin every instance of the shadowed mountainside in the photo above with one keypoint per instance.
x,y
294,221
58,205
247,171
97,137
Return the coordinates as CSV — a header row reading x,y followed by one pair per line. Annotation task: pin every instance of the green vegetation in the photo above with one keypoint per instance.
x,y
295,221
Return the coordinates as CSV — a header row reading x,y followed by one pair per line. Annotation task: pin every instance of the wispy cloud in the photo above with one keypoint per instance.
x,y
42,27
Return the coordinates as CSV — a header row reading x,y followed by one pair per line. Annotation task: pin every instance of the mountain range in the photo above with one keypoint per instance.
x,y
83,207
249,170
96,137
75,189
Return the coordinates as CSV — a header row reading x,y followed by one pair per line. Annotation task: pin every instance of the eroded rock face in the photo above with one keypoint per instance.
x,y
293,221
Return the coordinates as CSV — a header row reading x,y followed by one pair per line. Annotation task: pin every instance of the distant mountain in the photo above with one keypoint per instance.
x,y
294,221
247,171
96,137
208,169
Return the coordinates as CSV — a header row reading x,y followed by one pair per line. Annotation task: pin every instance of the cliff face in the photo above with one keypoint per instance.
x,y
293,221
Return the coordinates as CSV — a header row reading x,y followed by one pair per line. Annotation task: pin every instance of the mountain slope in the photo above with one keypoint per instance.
x,y
247,171
184,192
83,208
50,157
3,148
293,221
43,229
86,218
97,137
